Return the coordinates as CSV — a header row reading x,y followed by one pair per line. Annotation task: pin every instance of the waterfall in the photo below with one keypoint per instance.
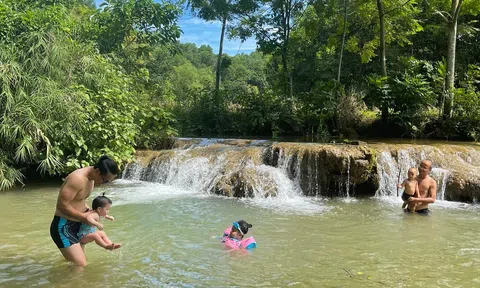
x,y
393,171
209,169
257,168
388,171
441,176
347,184
390,168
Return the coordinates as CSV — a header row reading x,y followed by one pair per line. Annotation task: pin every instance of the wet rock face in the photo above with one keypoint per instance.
x,y
244,183
234,185
327,170
462,190
456,168
253,168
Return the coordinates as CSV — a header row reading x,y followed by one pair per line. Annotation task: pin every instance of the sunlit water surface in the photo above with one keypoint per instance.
x,y
171,237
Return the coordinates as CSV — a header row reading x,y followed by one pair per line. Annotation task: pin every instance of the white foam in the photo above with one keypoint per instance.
x,y
137,192
439,204
126,192
294,205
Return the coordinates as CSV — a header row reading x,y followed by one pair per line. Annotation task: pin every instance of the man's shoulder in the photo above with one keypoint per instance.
x,y
431,180
76,179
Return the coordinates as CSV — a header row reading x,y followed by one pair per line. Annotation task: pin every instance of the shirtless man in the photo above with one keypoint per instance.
x,y
427,188
71,207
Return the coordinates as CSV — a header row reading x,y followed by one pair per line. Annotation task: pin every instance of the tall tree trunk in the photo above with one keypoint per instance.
x,y
452,40
288,11
383,56
286,78
345,14
219,60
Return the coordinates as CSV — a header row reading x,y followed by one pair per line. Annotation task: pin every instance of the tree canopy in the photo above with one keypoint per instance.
x,y
78,81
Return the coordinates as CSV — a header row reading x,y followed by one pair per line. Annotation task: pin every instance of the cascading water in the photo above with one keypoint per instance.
x,y
441,176
393,171
347,184
225,171
260,169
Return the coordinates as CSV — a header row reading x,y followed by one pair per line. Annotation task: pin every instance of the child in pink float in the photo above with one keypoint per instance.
x,y
233,236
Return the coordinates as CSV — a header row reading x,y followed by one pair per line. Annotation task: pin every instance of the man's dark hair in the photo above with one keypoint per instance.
x,y
106,166
100,202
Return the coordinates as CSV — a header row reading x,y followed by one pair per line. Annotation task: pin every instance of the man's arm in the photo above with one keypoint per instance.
x,y
67,193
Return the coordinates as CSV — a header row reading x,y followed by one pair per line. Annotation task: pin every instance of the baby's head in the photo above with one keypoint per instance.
x,y
412,173
101,205
239,229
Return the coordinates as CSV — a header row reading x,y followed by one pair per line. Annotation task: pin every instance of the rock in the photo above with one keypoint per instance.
x,y
463,189
244,183
326,169
234,185
242,168
354,142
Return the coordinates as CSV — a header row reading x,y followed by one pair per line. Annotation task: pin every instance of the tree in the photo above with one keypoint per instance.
x,y
456,9
400,15
123,22
383,56
62,104
224,11
272,26
345,16
452,23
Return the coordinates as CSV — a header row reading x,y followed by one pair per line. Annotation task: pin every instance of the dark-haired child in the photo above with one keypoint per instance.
x,y
100,208
233,236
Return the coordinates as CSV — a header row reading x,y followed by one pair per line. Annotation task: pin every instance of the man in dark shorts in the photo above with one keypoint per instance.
x,y
427,188
71,207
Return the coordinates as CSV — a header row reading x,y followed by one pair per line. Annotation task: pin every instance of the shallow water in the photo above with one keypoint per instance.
x,y
170,238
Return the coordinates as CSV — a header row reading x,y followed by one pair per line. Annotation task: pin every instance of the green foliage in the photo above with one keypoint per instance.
x,y
352,115
62,104
222,9
379,91
467,109
123,22
77,82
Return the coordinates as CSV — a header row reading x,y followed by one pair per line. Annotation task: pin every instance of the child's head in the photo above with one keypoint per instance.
x,y
412,173
239,229
101,205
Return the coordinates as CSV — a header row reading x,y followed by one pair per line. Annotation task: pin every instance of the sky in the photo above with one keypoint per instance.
x,y
200,32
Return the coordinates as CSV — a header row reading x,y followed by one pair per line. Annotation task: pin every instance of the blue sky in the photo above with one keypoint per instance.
x,y
200,32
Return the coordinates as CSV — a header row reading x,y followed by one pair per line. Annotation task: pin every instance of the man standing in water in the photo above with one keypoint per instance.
x,y
71,207
427,188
